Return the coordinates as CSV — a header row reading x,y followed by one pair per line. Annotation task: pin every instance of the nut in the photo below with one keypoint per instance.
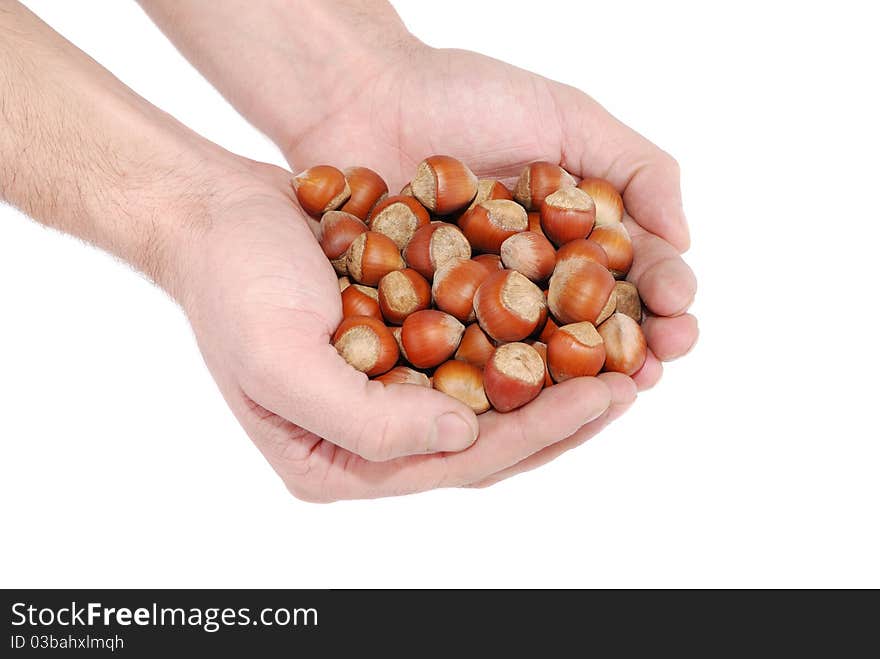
x,y
398,217
530,254
508,306
579,291
489,189
455,284
444,184
492,262
360,300
433,245
371,256
338,230
567,214
628,300
541,349
366,344
615,240
609,205
547,331
535,222
513,376
464,382
490,223
404,375
625,346
430,337
580,251
320,189
537,181
575,350
367,188
475,347
401,293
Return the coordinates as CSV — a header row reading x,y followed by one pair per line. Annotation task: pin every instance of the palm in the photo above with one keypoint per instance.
x,y
493,116
263,302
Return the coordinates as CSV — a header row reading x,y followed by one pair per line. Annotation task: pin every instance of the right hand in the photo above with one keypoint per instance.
x,y
264,302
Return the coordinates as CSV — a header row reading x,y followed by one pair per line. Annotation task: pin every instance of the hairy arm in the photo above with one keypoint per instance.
x,y
277,59
81,152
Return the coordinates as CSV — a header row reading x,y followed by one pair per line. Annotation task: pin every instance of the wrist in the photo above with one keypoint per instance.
x,y
84,154
287,65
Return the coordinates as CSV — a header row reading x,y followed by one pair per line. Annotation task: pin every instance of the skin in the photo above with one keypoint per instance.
x,y
233,248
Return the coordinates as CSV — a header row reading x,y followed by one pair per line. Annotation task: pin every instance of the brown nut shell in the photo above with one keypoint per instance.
x,y
567,214
530,254
430,337
490,223
582,250
404,375
475,347
464,382
625,345
433,245
508,306
615,240
338,230
401,293
575,350
370,257
513,376
366,344
579,291
320,189
609,204
628,300
455,285
538,180
541,349
444,184
367,188
398,217
358,300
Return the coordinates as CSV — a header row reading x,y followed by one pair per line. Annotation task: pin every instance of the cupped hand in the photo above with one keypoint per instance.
x,y
264,303
498,118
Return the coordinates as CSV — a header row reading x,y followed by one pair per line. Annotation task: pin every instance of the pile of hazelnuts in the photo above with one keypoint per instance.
x,y
485,294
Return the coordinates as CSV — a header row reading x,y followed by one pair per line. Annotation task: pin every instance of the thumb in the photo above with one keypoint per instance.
x,y
326,396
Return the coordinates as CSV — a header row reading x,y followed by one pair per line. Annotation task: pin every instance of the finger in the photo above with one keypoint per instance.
x,y
623,395
671,338
597,144
505,439
666,283
649,374
316,389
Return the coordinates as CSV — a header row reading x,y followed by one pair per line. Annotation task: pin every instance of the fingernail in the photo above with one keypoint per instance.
x,y
451,433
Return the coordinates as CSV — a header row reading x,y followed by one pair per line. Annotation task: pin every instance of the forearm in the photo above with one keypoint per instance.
x,y
277,59
81,152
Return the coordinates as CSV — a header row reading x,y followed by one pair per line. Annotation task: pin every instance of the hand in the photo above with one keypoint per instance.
x,y
498,118
264,302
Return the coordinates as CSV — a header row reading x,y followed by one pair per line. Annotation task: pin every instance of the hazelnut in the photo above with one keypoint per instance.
x,y
320,189
401,293
464,382
513,376
508,306
366,344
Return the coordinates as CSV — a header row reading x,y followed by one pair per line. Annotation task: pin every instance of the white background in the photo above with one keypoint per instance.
x,y
753,463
